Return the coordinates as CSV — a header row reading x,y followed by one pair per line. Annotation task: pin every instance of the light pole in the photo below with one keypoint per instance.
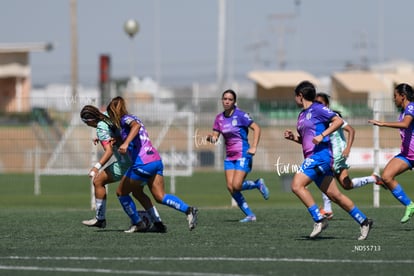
x,y
131,27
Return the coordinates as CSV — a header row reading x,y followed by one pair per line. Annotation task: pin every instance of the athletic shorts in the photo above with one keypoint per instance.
x,y
242,164
340,164
317,166
118,169
143,172
409,162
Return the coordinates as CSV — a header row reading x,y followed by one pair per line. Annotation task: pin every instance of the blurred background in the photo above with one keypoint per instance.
x,y
171,60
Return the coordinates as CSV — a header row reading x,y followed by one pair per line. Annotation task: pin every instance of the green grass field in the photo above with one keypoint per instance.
x,y
42,235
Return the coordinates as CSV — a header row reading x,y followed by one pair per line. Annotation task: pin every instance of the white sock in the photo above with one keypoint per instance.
x,y
362,181
154,214
327,206
100,208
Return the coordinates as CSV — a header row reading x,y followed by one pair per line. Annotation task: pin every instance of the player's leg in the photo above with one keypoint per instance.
x,y
156,186
234,180
358,182
326,210
299,183
99,182
246,165
331,189
343,178
145,201
395,167
126,186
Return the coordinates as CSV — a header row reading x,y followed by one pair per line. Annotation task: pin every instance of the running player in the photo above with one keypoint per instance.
x,y
234,125
404,161
341,148
314,125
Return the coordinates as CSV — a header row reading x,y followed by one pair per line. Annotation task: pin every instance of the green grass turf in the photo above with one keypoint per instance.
x,y
42,235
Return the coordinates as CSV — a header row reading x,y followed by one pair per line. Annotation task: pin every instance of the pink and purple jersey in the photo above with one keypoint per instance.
x,y
407,135
235,130
312,122
140,149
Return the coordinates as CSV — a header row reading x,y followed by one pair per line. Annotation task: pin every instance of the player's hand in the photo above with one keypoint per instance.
x,y
317,139
95,141
210,138
92,173
375,122
289,134
345,153
252,150
123,149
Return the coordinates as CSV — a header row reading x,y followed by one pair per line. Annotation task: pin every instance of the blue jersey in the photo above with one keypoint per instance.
x,y
235,130
312,122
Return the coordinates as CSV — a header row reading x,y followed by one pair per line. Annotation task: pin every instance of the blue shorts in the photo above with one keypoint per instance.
x,y
317,166
143,172
409,162
242,164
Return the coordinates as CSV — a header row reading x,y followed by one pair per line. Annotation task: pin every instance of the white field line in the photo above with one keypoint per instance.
x,y
208,259
113,271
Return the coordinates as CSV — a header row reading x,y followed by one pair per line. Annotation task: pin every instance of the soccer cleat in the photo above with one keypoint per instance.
x,y
263,188
139,227
409,212
366,226
192,215
95,223
325,214
249,219
158,227
318,227
379,181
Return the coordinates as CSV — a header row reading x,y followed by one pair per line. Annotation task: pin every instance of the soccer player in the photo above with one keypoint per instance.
x,y
341,148
314,125
403,99
106,136
147,167
234,125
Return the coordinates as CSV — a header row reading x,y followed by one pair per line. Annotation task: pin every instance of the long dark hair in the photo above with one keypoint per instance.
x,y
92,113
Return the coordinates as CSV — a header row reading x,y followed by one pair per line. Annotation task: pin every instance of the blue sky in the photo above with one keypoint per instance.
x,y
177,41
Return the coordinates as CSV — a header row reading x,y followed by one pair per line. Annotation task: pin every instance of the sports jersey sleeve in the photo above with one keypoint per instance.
x,y
344,124
216,125
246,120
407,134
103,133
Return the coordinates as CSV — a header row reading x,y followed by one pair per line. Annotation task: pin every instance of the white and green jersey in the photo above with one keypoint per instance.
x,y
122,161
338,143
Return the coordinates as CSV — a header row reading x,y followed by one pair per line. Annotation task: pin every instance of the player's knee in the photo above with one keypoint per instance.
x,y
296,188
387,178
347,187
